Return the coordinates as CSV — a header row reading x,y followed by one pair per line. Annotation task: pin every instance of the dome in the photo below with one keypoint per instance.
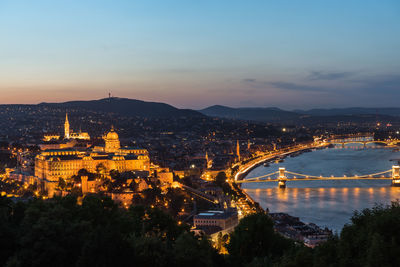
x,y
112,135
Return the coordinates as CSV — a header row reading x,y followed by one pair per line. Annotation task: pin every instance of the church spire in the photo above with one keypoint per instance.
x,y
66,127
237,149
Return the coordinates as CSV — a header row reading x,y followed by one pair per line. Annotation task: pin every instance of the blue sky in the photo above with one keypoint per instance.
x,y
290,54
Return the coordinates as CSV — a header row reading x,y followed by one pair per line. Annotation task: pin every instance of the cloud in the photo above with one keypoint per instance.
x,y
295,86
249,80
370,89
263,85
382,84
320,75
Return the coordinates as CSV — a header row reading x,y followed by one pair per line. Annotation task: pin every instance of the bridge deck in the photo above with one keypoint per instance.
x,y
314,179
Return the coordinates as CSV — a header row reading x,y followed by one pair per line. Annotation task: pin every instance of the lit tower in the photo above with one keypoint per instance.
x,y
395,175
66,127
282,177
238,150
209,162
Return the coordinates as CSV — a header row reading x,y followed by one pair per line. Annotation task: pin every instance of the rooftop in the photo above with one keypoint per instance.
x,y
215,214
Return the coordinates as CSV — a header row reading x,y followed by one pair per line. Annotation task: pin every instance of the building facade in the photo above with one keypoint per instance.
x,y
69,134
222,219
50,165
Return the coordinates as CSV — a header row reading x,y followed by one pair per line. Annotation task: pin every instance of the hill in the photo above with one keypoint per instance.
x,y
351,111
251,114
355,114
128,107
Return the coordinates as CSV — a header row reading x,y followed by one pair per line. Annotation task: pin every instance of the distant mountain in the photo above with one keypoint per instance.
x,y
129,107
304,116
351,111
251,114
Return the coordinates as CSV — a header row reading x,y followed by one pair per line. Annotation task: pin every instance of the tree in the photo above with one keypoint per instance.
x,y
115,174
105,246
255,237
61,183
176,199
189,251
8,227
150,251
372,238
220,179
101,169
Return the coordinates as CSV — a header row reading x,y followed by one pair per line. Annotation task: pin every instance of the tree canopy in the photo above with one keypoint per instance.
x,y
59,232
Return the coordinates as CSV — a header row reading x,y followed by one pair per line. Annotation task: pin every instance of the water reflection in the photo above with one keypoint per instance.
x,y
331,207
328,203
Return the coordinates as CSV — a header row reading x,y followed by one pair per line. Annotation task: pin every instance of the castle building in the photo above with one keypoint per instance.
x,y
50,165
112,143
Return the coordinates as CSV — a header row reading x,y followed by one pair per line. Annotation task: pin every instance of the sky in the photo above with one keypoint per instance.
x,y
193,54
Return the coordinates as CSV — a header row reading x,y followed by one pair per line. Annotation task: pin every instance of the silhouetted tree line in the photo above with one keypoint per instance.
x,y
96,232
60,232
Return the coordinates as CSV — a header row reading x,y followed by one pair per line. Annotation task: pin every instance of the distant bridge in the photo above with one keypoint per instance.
x,y
363,141
282,176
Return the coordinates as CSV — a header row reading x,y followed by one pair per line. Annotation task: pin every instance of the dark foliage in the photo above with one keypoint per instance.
x,y
371,239
59,232
255,240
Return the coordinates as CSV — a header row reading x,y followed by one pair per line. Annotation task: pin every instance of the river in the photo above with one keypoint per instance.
x,y
328,203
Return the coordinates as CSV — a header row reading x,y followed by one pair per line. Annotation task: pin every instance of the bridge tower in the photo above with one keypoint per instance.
x,y
396,175
282,177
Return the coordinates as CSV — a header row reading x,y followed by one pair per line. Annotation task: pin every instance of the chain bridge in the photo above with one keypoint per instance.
x,y
282,176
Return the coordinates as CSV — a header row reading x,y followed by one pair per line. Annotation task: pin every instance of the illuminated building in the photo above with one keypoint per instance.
x,y
213,223
112,143
66,127
50,137
69,134
222,219
238,150
50,165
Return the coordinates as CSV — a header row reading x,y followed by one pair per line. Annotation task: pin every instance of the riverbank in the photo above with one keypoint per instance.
x,y
246,168
309,234
248,205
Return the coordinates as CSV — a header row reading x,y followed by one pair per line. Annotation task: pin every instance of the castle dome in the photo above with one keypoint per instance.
x,y
112,135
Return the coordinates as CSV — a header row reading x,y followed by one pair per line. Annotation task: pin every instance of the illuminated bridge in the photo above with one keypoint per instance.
x,y
282,176
364,141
